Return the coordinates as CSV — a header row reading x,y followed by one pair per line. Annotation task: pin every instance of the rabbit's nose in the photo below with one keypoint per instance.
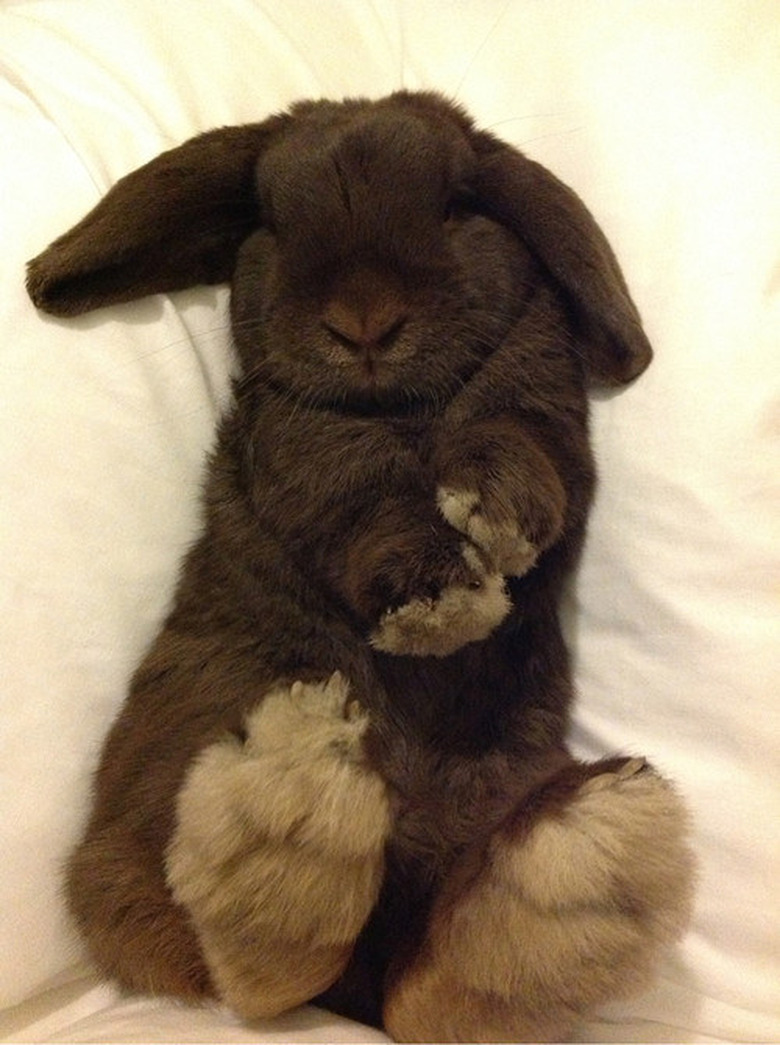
x,y
373,327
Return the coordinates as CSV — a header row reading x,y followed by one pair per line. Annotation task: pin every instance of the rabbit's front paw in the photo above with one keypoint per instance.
x,y
278,847
564,910
501,491
496,532
465,611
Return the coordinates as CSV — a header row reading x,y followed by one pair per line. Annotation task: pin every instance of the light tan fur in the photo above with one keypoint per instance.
x,y
553,922
503,543
439,627
278,849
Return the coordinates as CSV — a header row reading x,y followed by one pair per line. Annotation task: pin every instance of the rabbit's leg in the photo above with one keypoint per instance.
x,y
422,588
498,488
565,908
278,849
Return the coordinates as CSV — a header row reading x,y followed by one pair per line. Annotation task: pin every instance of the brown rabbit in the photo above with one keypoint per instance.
x,y
341,770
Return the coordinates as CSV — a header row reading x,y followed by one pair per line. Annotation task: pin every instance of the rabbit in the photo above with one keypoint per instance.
x,y
341,771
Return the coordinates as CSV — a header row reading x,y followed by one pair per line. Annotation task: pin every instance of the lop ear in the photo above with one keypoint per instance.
x,y
174,222
557,226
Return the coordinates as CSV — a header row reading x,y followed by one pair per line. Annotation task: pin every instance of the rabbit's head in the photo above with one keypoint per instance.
x,y
377,249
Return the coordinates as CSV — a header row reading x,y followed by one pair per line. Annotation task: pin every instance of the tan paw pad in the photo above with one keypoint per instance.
x,y
279,846
439,627
503,542
620,841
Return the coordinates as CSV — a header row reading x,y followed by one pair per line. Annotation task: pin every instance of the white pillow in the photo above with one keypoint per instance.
x,y
664,119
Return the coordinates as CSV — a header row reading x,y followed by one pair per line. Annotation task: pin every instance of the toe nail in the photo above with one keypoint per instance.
x,y
631,768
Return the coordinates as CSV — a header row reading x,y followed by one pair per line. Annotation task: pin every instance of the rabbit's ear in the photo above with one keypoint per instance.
x,y
174,222
557,226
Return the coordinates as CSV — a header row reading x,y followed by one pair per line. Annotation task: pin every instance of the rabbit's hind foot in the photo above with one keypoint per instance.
x,y
565,908
278,849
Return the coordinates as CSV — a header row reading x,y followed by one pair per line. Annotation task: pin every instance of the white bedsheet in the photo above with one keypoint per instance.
x,y
665,117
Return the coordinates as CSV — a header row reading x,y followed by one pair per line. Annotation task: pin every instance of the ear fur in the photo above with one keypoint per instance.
x,y
557,226
180,219
174,222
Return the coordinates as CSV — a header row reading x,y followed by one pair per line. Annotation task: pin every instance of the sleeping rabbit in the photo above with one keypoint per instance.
x,y
341,770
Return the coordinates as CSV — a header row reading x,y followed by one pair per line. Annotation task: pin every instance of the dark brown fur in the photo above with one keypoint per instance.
x,y
416,307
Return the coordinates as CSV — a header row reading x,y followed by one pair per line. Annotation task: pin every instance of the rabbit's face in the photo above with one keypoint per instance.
x,y
384,248
374,279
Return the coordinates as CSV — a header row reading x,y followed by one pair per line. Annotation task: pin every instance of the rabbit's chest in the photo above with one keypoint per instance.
x,y
318,458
